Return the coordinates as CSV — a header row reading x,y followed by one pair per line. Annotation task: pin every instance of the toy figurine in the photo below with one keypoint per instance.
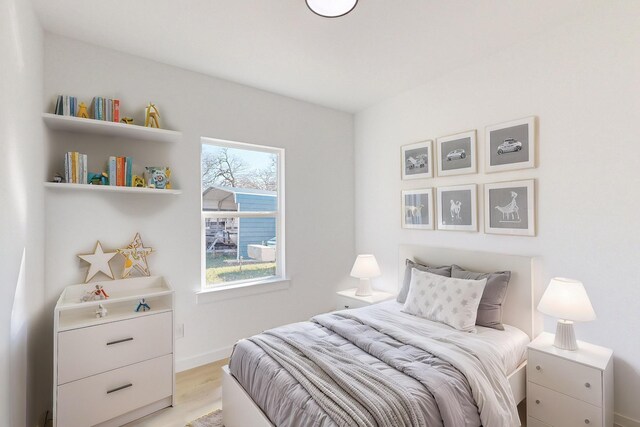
x,y
93,295
158,177
137,181
142,305
101,311
98,178
57,178
82,111
151,116
127,120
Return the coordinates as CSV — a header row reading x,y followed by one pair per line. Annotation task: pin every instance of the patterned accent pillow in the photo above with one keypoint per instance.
x,y
451,301
445,270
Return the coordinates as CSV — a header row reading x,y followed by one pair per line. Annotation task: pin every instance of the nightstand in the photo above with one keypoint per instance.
x,y
569,388
348,299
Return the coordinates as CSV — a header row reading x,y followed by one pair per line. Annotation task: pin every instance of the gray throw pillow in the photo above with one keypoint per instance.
x,y
490,308
440,271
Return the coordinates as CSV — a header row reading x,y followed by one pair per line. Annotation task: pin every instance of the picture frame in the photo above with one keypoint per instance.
x,y
510,208
511,145
457,154
417,209
416,160
458,208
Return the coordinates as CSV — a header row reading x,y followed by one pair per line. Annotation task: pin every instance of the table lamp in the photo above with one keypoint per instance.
x,y
365,268
567,300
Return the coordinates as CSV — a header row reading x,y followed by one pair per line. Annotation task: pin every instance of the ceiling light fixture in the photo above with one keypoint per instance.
x,y
331,8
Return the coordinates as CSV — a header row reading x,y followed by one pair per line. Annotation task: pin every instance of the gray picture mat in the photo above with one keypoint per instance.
x,y
448,146
450,200
416,209
416,153
497,137
509,208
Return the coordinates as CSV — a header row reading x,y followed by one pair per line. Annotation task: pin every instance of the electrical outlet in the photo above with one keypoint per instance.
x,y
180,331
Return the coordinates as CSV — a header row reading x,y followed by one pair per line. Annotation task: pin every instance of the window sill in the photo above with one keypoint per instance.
x,y
240,290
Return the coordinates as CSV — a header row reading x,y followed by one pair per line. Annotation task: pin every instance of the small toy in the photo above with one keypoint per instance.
x,y
151,116
57,178
137,181
127,120
158,177
142,305
98,178
95,295
82,111
101,312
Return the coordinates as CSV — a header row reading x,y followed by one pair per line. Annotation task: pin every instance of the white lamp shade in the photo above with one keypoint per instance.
x,y
331,8
365,267
567,299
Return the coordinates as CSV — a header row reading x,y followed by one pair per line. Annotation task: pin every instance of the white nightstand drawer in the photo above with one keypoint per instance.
x,y
346,302
559,410
99,398
96,349
574,379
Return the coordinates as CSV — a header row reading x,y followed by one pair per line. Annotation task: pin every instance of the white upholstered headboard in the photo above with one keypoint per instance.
x,y
523,287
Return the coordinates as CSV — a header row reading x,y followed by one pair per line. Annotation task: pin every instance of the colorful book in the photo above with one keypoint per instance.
x,y
85,169
59,108
120,172
112,170
129,175
116,110
65,105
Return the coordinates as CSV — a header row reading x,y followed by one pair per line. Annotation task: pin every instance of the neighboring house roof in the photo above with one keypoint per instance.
x,y
219,198
236,190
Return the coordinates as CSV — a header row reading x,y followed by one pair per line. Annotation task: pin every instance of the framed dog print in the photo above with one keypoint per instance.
x,y
511,145
416,160
457,154
457,208
510,208
417,209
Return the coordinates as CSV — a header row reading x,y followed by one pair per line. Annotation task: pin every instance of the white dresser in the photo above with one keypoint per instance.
x,y
569,388
112,370
349,299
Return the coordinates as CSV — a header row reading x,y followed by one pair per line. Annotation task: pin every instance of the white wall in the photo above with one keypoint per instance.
x,y
582,80
319,189
21,202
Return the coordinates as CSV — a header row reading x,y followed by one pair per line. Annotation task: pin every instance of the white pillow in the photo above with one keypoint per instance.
x,y
444,299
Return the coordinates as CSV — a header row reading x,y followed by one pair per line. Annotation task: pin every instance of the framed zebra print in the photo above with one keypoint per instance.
x,y
509,208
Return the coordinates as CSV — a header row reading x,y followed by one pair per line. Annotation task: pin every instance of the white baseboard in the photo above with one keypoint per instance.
x,y
203,359
622,421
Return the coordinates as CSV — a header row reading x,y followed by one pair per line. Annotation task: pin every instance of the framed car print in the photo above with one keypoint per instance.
x,y
510,145
457,208
417,209
510,208
416,160
457,154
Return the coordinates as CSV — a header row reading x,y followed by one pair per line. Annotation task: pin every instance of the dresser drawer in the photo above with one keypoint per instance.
x,y
532,422
96,349
97,399
346,302
565,376
559,410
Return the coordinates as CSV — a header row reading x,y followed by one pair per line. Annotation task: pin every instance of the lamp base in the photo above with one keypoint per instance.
x,y
565,336
364,288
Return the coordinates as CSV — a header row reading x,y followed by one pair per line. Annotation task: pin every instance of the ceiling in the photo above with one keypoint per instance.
x,y
382,48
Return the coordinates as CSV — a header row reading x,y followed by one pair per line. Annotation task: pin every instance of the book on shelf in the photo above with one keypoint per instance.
x,y
75,168
120,171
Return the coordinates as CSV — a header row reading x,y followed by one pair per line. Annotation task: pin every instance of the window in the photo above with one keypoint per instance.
x,y
242,213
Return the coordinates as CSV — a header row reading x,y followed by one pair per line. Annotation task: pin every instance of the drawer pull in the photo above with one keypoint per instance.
x,y
122,387
120,341
538,368
537,401
587,421
587,385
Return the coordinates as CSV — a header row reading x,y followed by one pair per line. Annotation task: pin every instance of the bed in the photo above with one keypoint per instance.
x,y
266,385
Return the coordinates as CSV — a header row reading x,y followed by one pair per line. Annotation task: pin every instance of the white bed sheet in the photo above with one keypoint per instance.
x,y
511,343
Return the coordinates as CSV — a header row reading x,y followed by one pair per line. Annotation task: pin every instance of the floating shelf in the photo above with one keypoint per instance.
x,y
109,188
100,127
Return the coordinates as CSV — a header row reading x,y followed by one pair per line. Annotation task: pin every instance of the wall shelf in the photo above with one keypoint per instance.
x,y
108,188
100,127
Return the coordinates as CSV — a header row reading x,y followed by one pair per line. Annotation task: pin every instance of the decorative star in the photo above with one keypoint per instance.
x,y
99,261
135,256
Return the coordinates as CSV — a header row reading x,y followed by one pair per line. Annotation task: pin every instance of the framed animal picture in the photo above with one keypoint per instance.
x,y
510,208
416,160
458,208
417,209
511,145
457,154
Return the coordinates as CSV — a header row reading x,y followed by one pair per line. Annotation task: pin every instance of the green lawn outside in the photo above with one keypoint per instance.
x,y
220,272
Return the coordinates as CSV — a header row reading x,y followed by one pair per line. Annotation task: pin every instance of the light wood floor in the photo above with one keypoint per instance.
x,y
198,392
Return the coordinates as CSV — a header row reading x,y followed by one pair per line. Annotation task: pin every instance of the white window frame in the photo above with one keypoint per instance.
x,y
241,287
